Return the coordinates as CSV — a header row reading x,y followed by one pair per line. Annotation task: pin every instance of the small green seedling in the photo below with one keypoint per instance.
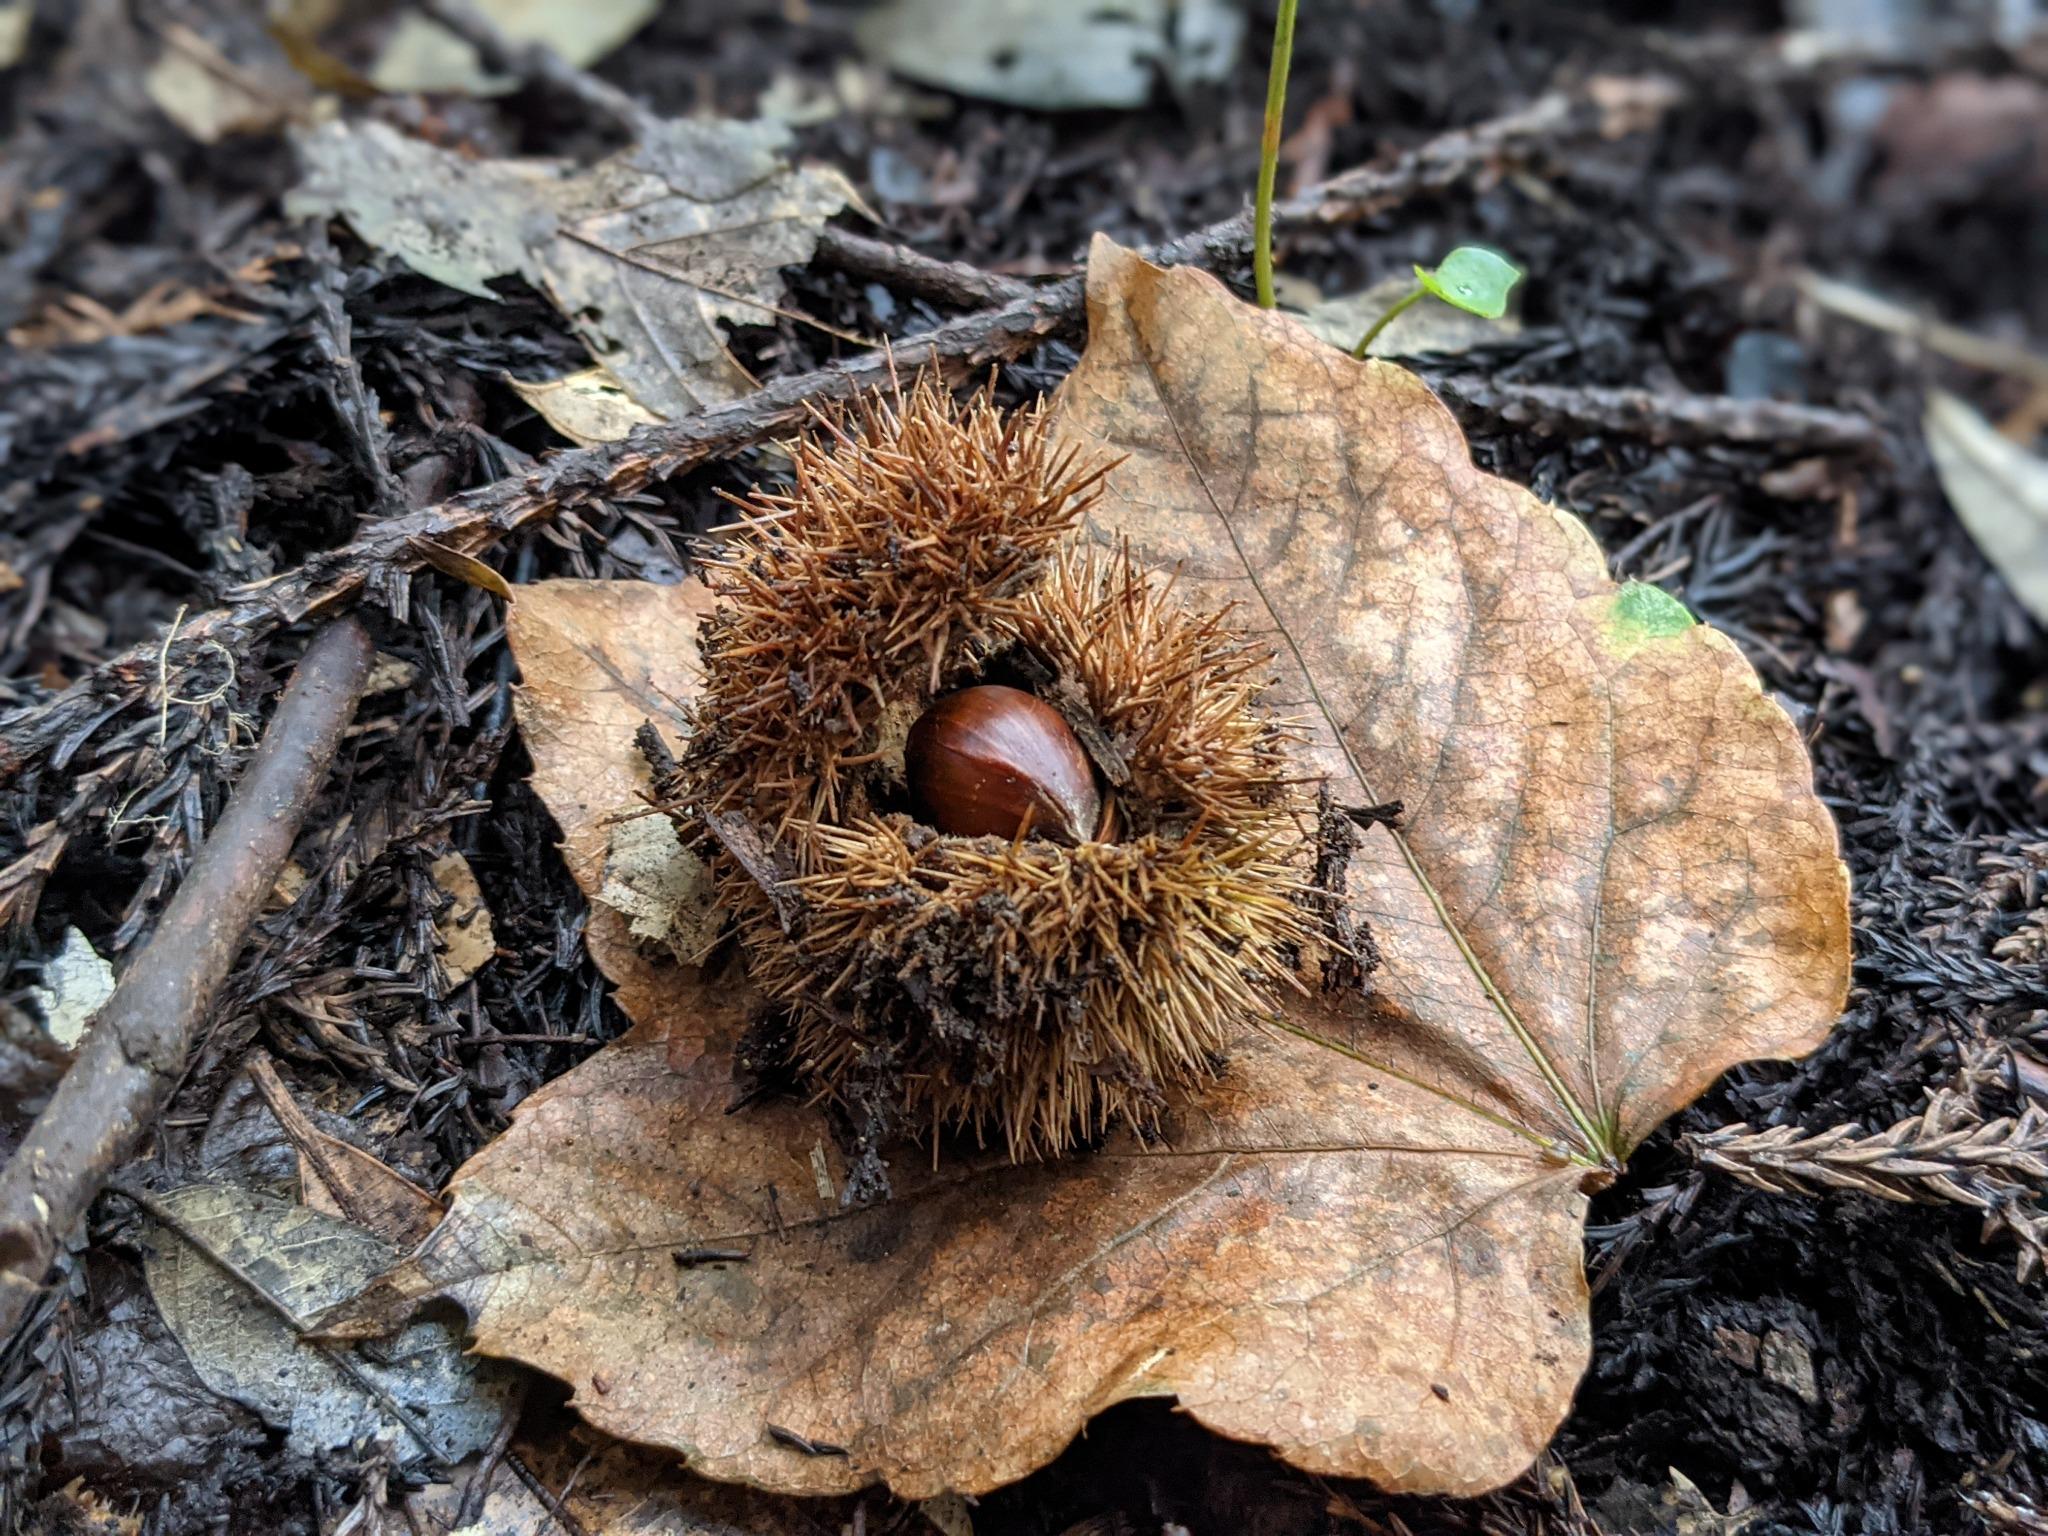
x,y
1269,155
1471,278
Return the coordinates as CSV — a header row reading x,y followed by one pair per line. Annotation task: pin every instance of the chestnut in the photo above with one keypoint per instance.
x,y
989,761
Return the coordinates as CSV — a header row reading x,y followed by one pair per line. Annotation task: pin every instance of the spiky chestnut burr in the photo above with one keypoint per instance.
x,y
896,561
1047,983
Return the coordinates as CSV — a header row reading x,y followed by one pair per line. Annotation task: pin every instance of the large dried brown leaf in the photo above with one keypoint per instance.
x,y
1613,879
1363,1247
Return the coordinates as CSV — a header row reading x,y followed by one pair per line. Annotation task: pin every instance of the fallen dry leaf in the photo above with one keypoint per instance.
x,y
1060,55
422,1388
1999,490
212,97
1612,881
647,253
1613,878
468,942
423,55
343,1181
601,658
16,17
587,407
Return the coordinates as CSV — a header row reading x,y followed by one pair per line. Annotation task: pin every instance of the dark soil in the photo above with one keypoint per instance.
x,y
1825,1365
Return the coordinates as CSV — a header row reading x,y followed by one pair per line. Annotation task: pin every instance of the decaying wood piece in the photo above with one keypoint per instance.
x,y
136,1049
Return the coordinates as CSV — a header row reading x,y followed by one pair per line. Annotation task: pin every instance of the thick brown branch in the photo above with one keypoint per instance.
x,y
137,1048
578,478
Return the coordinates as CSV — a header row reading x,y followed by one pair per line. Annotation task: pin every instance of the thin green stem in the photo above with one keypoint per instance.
x,y
1366,341
1269,153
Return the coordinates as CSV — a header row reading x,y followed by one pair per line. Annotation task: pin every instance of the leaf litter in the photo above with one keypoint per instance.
x,y
464,929
610,1489
419,1391
1062,55
423,55
76,984
1612,881
2000,492
648,254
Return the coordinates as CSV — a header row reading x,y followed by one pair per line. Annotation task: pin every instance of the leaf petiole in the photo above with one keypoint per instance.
x,y
1471,278
1400,307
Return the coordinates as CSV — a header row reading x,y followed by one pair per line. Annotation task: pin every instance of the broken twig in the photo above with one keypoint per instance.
x,y
1998,1167
908,271
1662,418
537,64
137,1047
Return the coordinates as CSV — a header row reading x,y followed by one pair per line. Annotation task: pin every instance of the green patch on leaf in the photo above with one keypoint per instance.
x,y
1473,279
1643,612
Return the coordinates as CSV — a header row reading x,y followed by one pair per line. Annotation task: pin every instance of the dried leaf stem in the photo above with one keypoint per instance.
x,y
1946,1153
137,1048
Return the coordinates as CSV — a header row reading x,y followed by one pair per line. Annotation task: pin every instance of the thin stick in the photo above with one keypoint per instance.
x,y
1661,418
564,1517
1950,341
908,271
538,63
1269,153
137,1048
478,1493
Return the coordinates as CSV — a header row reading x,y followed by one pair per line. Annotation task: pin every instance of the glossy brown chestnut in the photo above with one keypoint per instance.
x,y
983,760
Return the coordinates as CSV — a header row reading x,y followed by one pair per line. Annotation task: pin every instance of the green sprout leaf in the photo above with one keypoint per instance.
x,y
1473,279
1643,613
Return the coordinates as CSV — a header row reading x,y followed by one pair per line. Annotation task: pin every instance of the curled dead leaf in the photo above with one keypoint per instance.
x,y
1612,881
464,568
